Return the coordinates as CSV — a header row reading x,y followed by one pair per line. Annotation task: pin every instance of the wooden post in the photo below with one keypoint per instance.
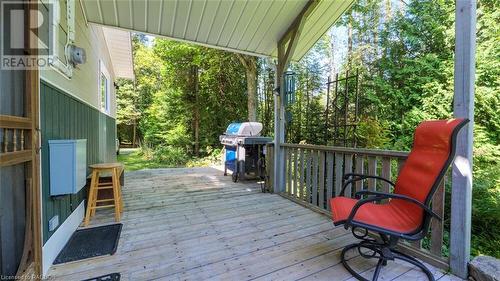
x,y
291,37
463,107
33,100
279,135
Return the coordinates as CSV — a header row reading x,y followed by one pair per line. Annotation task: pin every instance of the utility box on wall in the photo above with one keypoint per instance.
x,y
68,166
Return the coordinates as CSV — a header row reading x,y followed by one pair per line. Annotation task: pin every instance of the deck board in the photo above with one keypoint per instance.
x,y
195,224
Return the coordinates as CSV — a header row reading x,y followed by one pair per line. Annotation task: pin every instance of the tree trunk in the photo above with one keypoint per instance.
x,y
134,133
250,64
308,107
332,50
196,112
387,13
401,7
349,42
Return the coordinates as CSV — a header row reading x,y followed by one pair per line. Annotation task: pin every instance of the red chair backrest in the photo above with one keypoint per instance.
x,y
433,150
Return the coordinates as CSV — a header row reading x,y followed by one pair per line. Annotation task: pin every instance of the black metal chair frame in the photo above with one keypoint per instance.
x,y
383,247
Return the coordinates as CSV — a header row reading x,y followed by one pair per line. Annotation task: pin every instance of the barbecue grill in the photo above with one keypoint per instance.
x,y
244,150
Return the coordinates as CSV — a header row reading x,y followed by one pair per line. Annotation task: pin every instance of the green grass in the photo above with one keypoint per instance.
x,y
148,159
136,161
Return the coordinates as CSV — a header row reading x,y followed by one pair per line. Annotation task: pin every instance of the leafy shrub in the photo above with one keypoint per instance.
x,y
485,194
213,157
372,133
171,156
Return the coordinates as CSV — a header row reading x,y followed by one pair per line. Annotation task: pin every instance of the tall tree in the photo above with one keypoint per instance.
x,y
195,103
349,41
265,90
250,64
128,112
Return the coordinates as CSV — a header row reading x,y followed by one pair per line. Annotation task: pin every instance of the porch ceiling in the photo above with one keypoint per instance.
x,y
120,49
252,27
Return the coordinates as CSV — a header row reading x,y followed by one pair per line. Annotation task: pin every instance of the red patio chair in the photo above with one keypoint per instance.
x,y
405,213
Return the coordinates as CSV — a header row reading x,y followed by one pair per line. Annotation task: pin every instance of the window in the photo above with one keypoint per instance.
x,y
104,89
104,93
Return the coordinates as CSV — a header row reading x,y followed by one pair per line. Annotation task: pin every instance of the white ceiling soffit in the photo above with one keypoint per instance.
x,y
120,50
252,26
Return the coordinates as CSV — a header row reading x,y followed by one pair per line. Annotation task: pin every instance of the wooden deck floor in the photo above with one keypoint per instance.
x,y
195,224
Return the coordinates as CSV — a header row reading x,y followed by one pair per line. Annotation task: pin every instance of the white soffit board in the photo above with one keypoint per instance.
x,y
251,26
120,50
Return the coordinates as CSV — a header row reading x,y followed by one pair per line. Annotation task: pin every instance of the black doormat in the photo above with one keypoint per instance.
x,y
91,242
108,277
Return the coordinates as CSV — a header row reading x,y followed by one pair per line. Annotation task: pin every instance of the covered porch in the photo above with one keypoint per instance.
x,y
196,224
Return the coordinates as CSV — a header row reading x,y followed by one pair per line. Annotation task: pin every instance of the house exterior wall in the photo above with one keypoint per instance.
x,y
62,116
70,108
84,84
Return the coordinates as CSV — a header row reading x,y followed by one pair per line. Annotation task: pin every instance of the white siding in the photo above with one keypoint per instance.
x,y
84,84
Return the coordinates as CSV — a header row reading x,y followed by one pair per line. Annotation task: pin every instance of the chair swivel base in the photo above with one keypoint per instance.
x,y
383,253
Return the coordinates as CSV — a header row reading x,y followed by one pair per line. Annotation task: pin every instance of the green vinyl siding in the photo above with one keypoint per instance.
x,y
64,117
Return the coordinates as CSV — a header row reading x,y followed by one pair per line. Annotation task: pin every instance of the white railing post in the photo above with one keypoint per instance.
x,y
463,107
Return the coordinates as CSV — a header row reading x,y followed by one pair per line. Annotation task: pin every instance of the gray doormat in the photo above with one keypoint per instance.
x,y
91,242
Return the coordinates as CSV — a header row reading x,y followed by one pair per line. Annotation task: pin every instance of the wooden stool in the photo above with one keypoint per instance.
x,y
116,169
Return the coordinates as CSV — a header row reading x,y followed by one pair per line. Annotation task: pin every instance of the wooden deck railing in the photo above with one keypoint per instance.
x,y
313,175
15,140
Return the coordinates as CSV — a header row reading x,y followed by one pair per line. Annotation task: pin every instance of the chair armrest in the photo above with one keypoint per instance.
x,y
379,196
357,177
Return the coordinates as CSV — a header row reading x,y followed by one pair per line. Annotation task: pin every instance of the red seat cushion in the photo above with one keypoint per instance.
x,y
431,149
428,159
394,216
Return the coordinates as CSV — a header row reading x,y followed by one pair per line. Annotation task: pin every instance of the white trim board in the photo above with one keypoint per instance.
x,y
58,240
104,71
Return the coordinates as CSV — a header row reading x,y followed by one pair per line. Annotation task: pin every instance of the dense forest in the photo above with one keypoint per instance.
x,y
399,55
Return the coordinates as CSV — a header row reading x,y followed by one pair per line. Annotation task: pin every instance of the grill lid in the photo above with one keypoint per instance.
x,y
244,129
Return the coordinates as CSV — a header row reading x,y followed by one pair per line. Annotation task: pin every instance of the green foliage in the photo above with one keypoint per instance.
x,y
148,78
172,156
405,61
138,161
213,157
166,120
167,157
412,80
486,209
127,109
372,133
186,95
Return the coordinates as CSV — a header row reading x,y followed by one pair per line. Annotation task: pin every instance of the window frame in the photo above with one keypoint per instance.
x,y
103,71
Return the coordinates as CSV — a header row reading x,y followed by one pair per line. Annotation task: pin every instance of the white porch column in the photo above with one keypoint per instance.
x,y
463,106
